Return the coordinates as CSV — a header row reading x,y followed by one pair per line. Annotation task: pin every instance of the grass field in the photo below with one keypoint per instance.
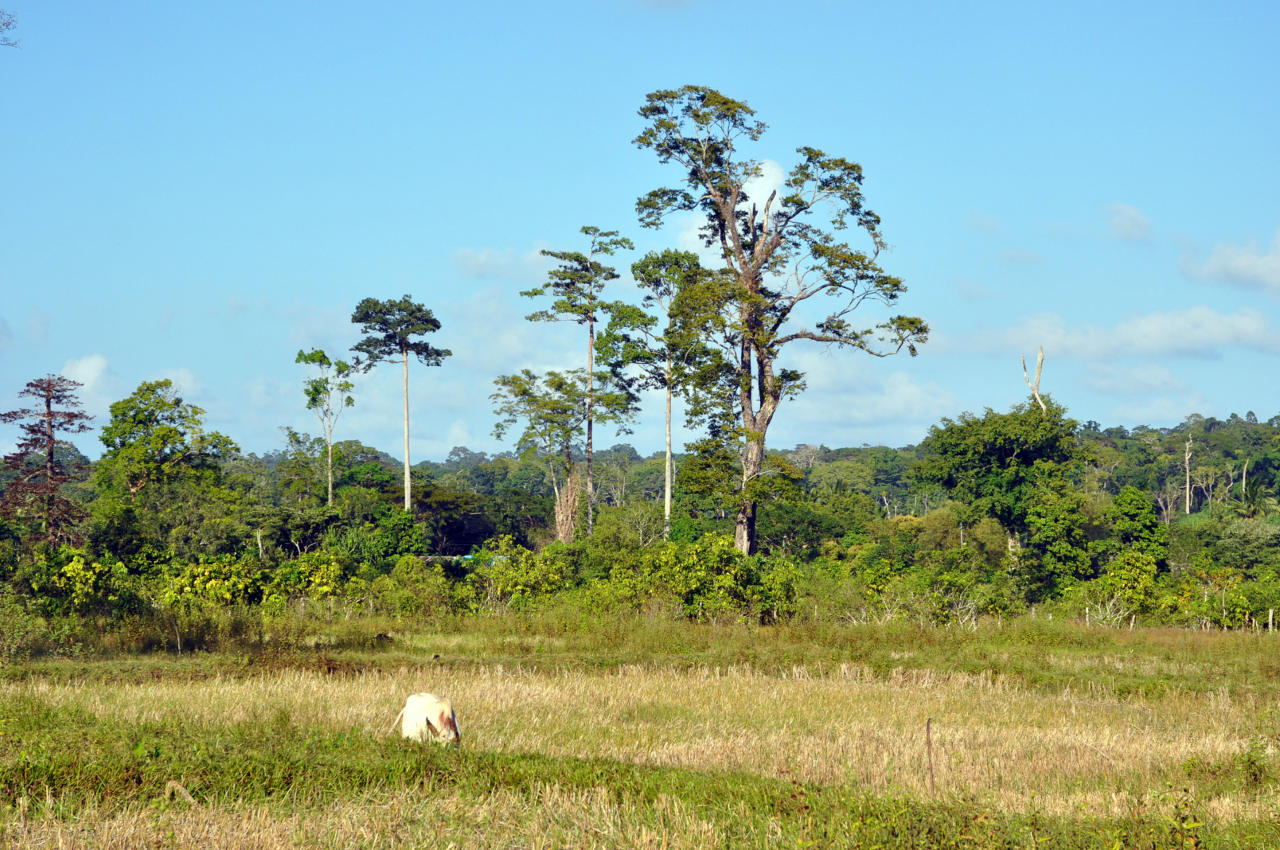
x,y
638,733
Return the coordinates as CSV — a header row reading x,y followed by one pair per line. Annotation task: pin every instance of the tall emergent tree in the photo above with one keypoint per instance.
x,y
664,347
780,253
38,467
577,286
327,395
389,328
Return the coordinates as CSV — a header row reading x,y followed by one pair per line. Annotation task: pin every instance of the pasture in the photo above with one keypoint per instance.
x,y
636,733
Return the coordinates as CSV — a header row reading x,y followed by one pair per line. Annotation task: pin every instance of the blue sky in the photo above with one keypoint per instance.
x,y
198,190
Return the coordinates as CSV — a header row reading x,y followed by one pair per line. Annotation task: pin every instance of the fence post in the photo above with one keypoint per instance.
x,y
928,743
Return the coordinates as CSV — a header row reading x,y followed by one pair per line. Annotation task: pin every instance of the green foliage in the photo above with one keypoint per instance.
x,y
510,576
778,253
327,395
415,588
552,408
1130,578
22,631
1135,526
1247,544
993,463
390,328
374,544
788,527
576,283
153,437
710,580
224,580
65,581
1210,594
1058,551
311,575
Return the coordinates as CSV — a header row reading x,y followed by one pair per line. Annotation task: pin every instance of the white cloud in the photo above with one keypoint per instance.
x,y
100,387
1128,224
505,264
1019,257
1244,265
184,381
972,290
981,221
1196,332
1130,380
849,401
38,327
770,180
90,371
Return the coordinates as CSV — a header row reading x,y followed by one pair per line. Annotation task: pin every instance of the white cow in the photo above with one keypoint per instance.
x,y
427,717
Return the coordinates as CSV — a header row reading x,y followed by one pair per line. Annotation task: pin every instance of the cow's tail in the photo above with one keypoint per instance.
x,y
394,722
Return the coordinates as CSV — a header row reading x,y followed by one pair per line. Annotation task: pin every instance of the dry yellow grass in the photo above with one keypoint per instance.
x,y
543,817
1064,753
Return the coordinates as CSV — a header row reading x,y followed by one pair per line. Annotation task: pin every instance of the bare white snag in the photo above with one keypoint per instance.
x,y
1035,388
1186,463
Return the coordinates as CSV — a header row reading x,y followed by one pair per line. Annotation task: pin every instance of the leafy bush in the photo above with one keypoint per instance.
x,y
223,579
508,575
710,580
21,630
315,575
414,588
1131,578
65,581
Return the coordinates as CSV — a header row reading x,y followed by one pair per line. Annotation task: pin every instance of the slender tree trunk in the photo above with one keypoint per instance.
x,y
591,389
50,442
666,469
1186,462
329,463
406,429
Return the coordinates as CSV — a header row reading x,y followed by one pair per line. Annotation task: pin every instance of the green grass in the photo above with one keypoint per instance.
x,y
68,762
1037,653
74,759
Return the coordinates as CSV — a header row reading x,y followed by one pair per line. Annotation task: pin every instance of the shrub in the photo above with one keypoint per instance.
x,y
709,579
21,630
66,582
315,575
414,587
223,579
508,575
1130,577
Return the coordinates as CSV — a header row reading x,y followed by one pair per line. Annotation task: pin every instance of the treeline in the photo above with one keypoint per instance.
x,y
988,516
